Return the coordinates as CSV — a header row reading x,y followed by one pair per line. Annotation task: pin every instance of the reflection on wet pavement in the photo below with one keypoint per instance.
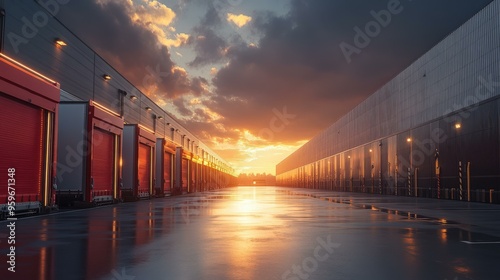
x,y
248,233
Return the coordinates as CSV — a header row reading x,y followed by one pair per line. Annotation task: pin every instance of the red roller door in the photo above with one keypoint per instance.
x,y
144,167
22,131
167,169
193,177
102,162
185,170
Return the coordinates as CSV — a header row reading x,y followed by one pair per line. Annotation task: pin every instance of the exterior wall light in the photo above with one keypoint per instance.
x,y
60,42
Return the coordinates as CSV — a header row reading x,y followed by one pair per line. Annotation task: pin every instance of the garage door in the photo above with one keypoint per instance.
x,y
167,169
21,138
185,178
144,167
102,163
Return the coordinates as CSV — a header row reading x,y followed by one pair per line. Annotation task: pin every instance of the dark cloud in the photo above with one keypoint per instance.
x,y
130,47
201,116
208,131
208,45
199,86
299,67
180,103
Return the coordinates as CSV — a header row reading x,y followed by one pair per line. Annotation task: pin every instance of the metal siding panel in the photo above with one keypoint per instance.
x,y
129,156
72,147
452,70
147,119
65,96
71,67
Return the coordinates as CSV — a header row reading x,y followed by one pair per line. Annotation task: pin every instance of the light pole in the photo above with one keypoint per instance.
x,y
458,126
380,169
350,174
438,173
409,140
396,173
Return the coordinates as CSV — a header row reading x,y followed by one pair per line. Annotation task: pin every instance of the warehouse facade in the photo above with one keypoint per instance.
x,y
432,131
102,140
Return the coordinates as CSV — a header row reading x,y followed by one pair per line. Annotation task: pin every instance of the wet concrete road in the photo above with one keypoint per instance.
x,y
249,233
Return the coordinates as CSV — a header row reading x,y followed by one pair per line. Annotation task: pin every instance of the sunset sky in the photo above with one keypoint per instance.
x,y
256,79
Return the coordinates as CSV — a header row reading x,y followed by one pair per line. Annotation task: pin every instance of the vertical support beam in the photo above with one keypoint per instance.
x,y
380,168
416,181
396,175
178,171
189,183
468,181
438,182
438,173
152,166
460,183
380,181
409,181
373,178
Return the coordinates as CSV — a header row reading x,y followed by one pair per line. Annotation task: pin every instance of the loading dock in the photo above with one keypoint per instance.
x,y
138,162
28,122
89,154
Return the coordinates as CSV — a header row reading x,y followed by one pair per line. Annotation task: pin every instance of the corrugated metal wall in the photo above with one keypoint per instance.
x,y
446,79
80,72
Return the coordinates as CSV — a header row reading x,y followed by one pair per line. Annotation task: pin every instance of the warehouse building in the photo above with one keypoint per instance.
x,y
94,137
432,131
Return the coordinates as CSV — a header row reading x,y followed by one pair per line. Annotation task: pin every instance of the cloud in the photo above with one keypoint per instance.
x,y
179,40
208,45
156,17
181,107
152,12
298,65
239,20
295,66
126,35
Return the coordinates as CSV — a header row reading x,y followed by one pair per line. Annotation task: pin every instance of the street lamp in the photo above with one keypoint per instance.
x,y
438,173
350,174
380,169
458,126
409,141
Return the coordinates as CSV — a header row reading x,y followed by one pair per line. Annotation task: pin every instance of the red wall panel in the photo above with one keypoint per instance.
x,y
102,162
22,133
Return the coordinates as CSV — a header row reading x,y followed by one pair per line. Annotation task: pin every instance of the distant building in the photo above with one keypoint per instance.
x,y
432,131
256,179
